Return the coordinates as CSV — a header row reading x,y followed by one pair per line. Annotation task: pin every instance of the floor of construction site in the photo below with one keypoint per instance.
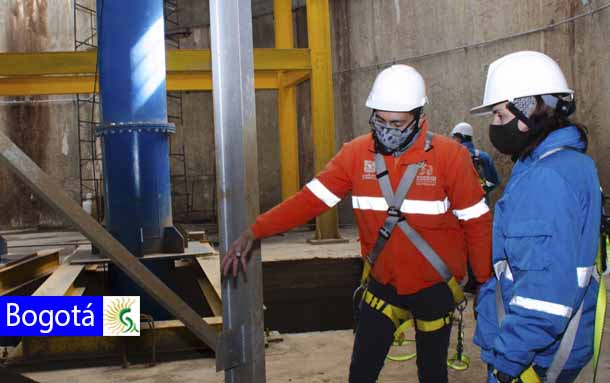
x,y
311,357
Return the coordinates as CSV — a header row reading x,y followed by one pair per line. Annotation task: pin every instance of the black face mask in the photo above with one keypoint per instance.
x,y
508,139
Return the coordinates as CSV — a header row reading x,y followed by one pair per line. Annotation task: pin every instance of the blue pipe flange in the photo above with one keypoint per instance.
x,y
130,127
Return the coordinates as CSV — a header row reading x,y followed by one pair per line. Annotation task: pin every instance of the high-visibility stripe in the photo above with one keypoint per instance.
x,y
584,276
409,206
503,267
369,203
474,211
322,192
542,306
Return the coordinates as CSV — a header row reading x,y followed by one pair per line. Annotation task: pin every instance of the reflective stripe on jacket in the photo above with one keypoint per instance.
x,y
446,205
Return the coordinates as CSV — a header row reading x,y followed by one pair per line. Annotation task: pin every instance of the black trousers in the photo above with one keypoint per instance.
x,y
375,334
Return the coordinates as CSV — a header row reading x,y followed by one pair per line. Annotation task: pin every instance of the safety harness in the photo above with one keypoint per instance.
x,y
401,318
529,375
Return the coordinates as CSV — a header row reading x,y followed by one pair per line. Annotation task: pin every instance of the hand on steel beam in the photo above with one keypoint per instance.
x,y
238,254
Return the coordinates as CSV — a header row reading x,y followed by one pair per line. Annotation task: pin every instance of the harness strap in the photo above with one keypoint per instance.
x,y
402,318
600,308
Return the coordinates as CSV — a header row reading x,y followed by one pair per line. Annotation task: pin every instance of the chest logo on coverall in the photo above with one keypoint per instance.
x,y
368,172
426,176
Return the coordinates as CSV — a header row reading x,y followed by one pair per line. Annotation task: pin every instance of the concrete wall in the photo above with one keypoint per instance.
x,y
44,127
367,35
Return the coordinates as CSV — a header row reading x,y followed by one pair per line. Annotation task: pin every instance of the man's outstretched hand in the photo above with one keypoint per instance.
x,y
238,255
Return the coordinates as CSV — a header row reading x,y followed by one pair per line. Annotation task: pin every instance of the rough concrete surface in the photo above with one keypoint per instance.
x,y
320,357
367,35
43,126
316,357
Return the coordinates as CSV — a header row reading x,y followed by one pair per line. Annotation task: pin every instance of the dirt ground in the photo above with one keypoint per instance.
x,y
317,357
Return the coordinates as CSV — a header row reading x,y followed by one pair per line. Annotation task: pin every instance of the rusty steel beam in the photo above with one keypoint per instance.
x,y
17,274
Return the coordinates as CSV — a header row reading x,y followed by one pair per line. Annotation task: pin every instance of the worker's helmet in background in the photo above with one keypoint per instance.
x,y
522,74
463,128
399,88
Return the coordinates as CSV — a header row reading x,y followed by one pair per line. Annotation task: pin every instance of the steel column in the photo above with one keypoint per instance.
x,y
242,352
134,127
287,105
322,118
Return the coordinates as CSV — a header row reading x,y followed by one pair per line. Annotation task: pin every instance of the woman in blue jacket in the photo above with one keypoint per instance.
x,y
545,231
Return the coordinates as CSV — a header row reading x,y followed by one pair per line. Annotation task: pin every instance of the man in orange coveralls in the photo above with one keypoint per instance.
x,y
419,217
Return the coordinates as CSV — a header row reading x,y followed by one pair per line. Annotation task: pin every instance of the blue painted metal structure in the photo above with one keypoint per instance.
x,y
134,122
135,132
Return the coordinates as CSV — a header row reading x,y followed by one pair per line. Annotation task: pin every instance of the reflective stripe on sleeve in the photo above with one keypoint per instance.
x,y
319,190
542,306
472,212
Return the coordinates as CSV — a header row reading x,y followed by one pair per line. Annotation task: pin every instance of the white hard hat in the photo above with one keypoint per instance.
x,y
521,74
399,88
463,128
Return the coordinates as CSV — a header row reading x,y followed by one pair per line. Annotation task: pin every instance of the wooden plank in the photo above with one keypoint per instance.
x,y
213,299
61,281
211,268
210,283
49,190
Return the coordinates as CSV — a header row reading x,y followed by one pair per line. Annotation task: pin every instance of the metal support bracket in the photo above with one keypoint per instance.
x,y
230,352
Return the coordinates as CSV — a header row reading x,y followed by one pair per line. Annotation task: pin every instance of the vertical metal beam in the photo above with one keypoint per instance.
x,y
322,117
242,353
286,105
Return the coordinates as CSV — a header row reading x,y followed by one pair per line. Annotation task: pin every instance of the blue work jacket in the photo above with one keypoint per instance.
x,y
545,237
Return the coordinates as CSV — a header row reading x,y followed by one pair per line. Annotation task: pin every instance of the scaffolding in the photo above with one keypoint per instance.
x,y
279,69
87,113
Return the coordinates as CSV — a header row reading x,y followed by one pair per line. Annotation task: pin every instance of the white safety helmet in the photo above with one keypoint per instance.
x,y
521,74
399,88
463,128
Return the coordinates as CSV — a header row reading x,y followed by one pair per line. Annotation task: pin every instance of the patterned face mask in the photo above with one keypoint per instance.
x,y
390,138
525,105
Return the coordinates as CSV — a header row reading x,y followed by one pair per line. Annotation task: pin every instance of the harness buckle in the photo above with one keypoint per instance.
x,y
384,232
394,212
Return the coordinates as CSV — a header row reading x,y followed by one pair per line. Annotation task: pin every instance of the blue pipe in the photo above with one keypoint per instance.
x,y
134,126
135,133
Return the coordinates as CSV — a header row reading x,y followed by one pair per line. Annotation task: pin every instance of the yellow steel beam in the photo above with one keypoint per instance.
x,y
287,104
203,81
47,85
15,275
322,118
184,60
292,78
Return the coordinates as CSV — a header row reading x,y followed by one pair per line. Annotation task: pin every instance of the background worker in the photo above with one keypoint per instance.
x,y
488,177
463,133
442,204
546,228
